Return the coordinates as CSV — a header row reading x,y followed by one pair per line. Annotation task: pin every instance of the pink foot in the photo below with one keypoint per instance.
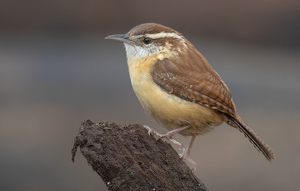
x,y
168,135
186,154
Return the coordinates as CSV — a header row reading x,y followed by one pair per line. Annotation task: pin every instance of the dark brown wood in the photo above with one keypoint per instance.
x,y
127,158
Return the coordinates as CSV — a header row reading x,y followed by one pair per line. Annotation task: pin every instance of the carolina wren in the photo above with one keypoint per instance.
x,y
178,87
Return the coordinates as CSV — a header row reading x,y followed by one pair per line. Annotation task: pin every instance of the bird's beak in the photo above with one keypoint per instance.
x,y
120,37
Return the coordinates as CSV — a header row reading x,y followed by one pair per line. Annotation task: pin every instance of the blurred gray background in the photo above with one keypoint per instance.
x,y
56,70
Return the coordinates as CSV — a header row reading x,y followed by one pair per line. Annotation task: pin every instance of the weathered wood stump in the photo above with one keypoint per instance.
x,y
127,158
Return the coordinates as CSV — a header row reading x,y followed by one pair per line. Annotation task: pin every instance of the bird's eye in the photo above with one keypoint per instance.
x,y
147,40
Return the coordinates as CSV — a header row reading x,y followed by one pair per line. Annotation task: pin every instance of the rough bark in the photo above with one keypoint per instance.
x,y
127,158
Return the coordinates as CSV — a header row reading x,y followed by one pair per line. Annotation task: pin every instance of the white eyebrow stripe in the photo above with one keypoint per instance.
x,y
161,35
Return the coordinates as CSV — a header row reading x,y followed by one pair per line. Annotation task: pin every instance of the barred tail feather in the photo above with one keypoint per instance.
x,y
253,137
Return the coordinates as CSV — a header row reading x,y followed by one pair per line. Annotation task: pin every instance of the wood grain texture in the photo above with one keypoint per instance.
x,y
127,158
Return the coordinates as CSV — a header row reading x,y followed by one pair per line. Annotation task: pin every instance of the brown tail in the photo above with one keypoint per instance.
x,y
252,136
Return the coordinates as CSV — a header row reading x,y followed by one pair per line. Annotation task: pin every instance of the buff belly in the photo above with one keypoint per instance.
x,y
171,111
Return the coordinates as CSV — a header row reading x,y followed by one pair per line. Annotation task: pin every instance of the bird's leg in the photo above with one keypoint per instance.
x,y
185,155
169,136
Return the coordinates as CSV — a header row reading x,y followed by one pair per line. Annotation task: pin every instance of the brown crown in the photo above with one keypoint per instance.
x,y
150,28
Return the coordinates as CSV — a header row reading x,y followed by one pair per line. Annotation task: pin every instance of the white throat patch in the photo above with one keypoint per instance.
x,y
134,52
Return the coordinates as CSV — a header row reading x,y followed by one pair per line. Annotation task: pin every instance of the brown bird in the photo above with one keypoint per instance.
x,y
178,87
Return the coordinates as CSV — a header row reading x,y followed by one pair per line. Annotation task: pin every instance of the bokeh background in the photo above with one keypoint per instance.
x,y
56,70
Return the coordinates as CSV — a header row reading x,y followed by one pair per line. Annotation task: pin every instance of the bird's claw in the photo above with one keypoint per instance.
x,y
184,155
148,128
183,152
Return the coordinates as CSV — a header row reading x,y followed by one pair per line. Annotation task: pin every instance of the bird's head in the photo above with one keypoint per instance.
x,y
150,38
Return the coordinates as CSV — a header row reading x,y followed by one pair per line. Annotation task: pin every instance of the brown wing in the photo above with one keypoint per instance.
x,y
195,82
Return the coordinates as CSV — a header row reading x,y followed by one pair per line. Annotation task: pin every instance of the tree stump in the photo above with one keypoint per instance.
x,y
127,158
